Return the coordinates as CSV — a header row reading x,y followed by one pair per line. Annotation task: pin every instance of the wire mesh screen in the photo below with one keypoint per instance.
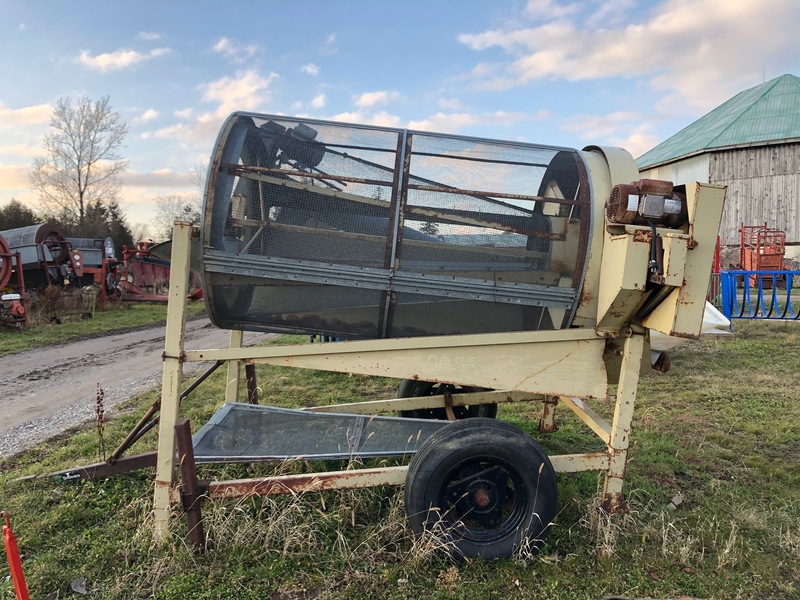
x,y
244,432
365,232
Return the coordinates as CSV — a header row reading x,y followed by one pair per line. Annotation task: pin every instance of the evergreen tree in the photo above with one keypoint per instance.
x,y
16,214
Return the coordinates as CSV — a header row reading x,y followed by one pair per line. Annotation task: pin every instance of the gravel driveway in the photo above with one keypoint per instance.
x,y
49,390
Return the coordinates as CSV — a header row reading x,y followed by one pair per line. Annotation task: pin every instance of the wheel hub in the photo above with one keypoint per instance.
x,y
481,497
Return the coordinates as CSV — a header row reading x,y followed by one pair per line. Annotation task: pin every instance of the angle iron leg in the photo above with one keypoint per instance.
x,y
234,369
621,427
191,494
171,377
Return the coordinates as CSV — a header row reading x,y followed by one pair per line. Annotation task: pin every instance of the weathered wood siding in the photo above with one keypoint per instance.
x,y
763,187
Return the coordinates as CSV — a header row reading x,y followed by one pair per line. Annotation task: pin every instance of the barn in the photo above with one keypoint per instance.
x,y
751,143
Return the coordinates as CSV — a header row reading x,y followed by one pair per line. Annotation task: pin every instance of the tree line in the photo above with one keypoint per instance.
x,y
77,178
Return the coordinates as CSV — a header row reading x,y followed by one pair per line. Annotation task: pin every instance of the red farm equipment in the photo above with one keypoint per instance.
x,y
761,249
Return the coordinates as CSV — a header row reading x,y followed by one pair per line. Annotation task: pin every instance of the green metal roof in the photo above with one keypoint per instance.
x,y
764,113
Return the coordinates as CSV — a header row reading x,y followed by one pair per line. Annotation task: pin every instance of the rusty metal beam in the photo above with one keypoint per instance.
x,y
312,482
133,435
191,494
102,469
252,384
248,171
482,194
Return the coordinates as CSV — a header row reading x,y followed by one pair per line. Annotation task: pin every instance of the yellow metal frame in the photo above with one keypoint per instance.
x,y
533,366
572,366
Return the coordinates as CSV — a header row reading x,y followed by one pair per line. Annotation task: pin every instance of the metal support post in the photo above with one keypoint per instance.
x,y
621,427
234,369
547,423
191,495
171,378
252,384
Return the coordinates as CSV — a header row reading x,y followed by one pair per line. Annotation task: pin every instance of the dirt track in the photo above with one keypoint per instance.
x,y
48,390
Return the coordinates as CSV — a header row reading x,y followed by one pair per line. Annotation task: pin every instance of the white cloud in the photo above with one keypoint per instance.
x,y
370,99
310,69
14,177
20,150
642,139
629,130
161,178
235,51
379,119
184,113
149,36
612,12
246,90
450,103
329,45
147,116
117,60
452,122
548,8
597,127
38,114
318,101
692,51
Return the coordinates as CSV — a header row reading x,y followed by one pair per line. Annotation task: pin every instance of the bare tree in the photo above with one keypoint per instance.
x,y
197,175
141,232
171,208
83,163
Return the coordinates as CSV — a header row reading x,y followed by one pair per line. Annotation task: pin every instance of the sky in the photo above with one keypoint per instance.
x,y
628,73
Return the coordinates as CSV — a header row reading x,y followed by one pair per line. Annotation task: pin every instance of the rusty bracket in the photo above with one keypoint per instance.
x,y
448,405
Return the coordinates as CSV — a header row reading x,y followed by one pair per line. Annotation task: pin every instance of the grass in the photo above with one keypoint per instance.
x,y
118,317
721,430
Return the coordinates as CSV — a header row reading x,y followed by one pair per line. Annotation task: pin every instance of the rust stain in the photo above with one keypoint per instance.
x,y
585,298
312,482
547,423
614,504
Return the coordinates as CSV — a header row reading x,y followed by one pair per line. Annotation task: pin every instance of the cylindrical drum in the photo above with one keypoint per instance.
x,y
45,233
371,232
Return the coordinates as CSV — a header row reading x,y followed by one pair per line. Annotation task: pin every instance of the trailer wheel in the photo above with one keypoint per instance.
x,y
482,488
413,388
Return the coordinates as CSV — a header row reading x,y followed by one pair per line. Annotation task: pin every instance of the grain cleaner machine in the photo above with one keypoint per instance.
x,y
476,271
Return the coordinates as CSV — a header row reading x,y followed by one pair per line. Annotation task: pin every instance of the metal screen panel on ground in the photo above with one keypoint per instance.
x,y
248,433
366,232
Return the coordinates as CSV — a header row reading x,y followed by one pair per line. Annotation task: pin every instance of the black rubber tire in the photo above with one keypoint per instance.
x,y
413,388
453,489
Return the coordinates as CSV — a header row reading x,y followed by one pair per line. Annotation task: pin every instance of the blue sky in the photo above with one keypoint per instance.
x,y
618,72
